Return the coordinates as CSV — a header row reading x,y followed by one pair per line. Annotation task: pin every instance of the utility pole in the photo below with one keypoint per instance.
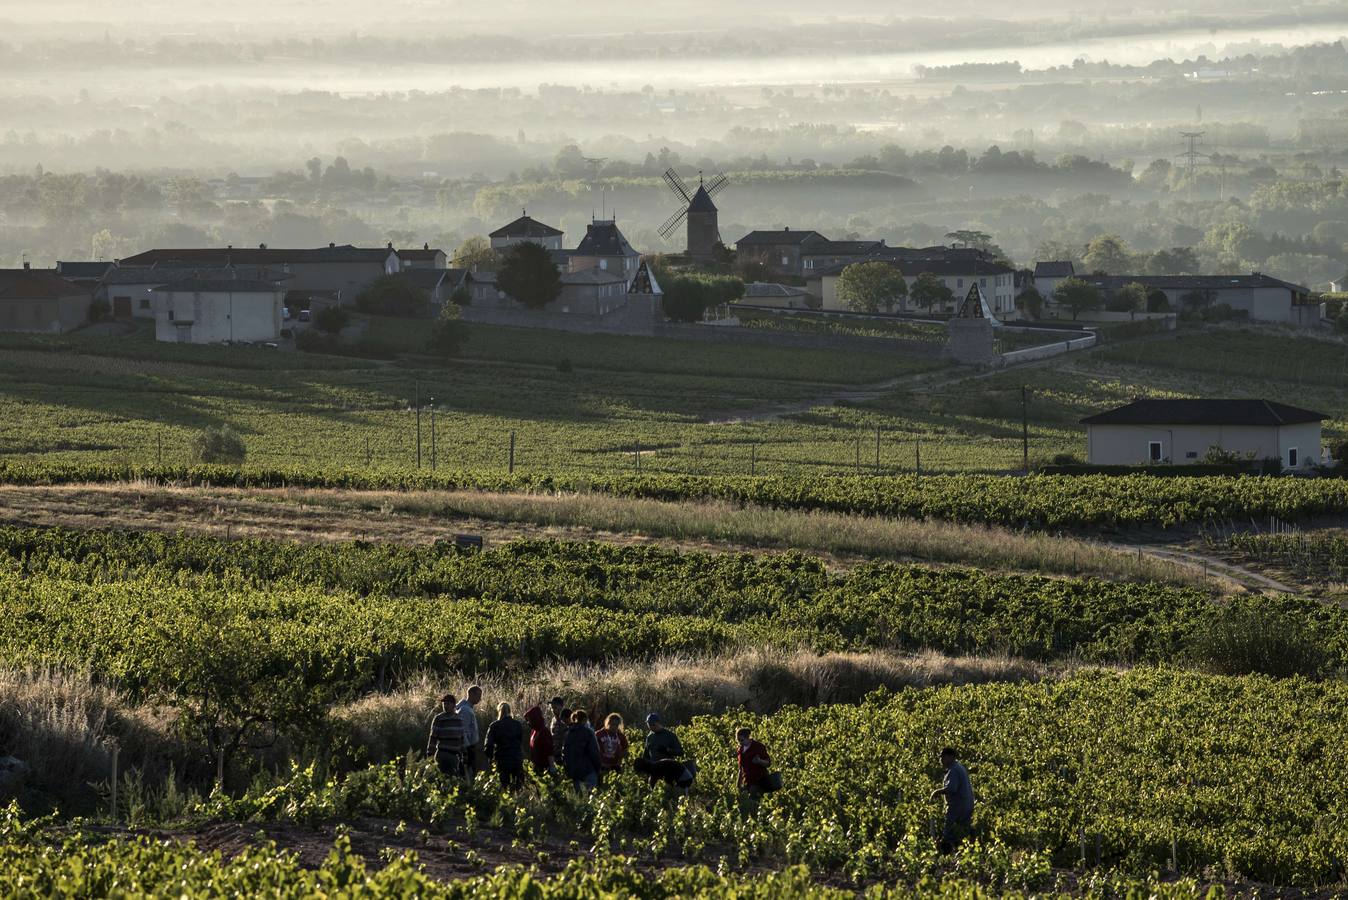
x,y
432,434
877,448
1024,431
511,466
418,405
753,458
917,455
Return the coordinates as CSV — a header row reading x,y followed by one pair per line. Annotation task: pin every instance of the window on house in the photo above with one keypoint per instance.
x,y
786,260
1292,457
170,314
1192,454
144,302
603,264
1154,451
982,282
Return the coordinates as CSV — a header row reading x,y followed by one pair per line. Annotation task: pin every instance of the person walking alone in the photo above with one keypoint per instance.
x,y
959,802
753,763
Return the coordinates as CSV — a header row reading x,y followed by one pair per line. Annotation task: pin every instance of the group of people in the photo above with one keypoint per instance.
x,y
568,744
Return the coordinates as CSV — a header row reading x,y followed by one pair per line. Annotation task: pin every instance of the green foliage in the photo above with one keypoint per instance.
x,y
99,310
1031,302
1107,254
1132,297
528,274
867,287
393,295
687,295
219,444
1077,295
450,331
1246,637
476,254
331,319
928,291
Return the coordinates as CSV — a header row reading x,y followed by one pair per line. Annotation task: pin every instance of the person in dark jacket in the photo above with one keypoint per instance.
x,y
540,741
505,746
580,754
663,760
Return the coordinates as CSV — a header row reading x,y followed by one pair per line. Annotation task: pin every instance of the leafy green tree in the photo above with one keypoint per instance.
x,y
865,287
1031,302
331,319
1196,301
1132,297
450,331
1175,261
529,275
1108,254
928,291
476,255
1077,295
218,444
393,295
686,298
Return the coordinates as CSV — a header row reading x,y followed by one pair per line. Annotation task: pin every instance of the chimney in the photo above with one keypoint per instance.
x,y
332,245
262,246
25,264
426,246
390,245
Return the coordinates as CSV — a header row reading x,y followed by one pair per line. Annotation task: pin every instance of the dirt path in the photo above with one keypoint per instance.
x,y
1209,566
273,514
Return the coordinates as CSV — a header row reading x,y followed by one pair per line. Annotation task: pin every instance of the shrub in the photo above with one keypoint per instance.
x,y
218,444
331,319
1246,637
393,295
99,310
311,340
450,331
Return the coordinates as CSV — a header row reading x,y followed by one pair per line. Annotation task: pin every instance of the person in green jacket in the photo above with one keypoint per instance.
x,y
663,757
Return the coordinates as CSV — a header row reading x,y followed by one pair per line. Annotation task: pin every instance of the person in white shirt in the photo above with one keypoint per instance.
x,y
471,745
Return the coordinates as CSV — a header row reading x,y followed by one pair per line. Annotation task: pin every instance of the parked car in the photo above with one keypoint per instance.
x,y
304,315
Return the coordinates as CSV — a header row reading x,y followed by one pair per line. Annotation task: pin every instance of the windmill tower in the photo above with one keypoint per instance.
x,y
697,208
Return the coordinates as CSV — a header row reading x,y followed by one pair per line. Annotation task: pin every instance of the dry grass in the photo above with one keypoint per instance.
x,y
720,523
421,517
763,681
64,725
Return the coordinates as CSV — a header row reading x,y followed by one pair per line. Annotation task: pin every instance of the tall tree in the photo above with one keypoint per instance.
x,y
928,291
476,255
865,287
529,275
1108,254
1077,295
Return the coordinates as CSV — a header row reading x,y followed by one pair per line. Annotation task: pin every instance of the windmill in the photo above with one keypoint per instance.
x,y
698,209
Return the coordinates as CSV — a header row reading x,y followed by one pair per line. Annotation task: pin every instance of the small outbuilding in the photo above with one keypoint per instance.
x,y
208,311
1180,432
41,301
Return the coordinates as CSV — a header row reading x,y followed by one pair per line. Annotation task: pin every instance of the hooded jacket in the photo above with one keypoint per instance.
x,y
540,738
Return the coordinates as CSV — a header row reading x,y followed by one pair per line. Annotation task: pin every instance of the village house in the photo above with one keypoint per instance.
x,y
776,296
605,247
340,268
1049,274
427,257
958,270
1179,432
526,229
37,300
592,292
1262,297
780,252
215,310
129,290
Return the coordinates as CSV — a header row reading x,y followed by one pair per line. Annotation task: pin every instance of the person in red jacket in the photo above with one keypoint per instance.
x,y
540,741
612,745
754,762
